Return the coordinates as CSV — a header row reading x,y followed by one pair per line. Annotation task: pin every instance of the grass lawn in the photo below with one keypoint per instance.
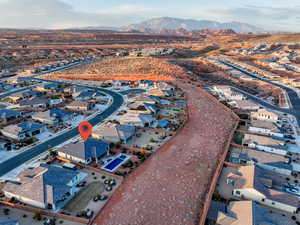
x,y
81,200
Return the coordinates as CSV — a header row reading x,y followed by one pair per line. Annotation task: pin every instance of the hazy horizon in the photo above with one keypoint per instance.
x,y
61,14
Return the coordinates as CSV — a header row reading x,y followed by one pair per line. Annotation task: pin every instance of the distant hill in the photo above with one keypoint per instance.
x,y
169,23
182,32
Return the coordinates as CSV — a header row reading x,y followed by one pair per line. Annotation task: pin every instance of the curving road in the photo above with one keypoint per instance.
x,y
33,152
294,99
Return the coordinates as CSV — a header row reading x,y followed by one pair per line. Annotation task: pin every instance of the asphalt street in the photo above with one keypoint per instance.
x,y
33,152
294,99
40,148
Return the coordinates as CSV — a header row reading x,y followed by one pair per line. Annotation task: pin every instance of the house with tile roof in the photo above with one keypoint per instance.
x,y
80,106
248,183
36,102
52,116
275,145
265,127
7,115
7,221
264,114
244,105
244,213
88,95
114,133
45,186
48,87
84,152
138,120
25,94
23,130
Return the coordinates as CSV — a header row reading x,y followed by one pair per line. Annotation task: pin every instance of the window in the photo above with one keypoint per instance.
x,y
230,181
238,192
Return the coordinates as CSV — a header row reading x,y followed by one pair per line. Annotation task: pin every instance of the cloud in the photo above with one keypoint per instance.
x,y
272,18
57,14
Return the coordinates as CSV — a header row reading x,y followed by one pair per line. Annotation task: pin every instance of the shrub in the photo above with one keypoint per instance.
x,y
37,216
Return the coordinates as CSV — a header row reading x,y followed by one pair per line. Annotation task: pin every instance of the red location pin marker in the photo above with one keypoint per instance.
x,y
85,130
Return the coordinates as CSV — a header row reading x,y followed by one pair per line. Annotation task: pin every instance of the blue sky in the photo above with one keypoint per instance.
x,y
269,14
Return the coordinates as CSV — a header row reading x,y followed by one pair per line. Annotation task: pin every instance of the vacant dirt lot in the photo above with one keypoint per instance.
x,y
127,68
169,188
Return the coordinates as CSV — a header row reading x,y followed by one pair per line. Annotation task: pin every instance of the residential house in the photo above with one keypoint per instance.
x,y
138,120
267,144
159,100
228,93
244,213
84,152
5,146
114,133
7,115
293,153
165,86
37,102
23,130
80,106
45,187
138,107
244,105
52,116
146,83
249,183
151,108
296,83
6,87
48,87
265,127
15,97
55,101
264,114
24,80
156,92
144,99
7,221
88,95
75,90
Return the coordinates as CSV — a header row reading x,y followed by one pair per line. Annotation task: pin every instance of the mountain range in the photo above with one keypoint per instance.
x,y
177,26
169,23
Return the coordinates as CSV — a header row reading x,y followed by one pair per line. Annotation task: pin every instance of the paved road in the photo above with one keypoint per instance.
x,y
294,99
257,100
31,153
8,93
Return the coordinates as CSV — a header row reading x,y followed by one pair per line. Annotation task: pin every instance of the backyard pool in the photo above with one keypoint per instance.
x,y
115,163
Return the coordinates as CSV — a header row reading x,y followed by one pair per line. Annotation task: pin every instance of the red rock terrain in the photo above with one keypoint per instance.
x,y
169,188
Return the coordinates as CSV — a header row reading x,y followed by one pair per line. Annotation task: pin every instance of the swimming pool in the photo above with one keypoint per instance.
x,y
116,162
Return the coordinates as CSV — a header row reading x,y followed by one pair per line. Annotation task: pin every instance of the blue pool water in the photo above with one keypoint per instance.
x,y
116,162
113,164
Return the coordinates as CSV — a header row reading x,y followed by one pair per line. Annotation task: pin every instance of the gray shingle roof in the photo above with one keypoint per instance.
x,y
50,183
6,221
